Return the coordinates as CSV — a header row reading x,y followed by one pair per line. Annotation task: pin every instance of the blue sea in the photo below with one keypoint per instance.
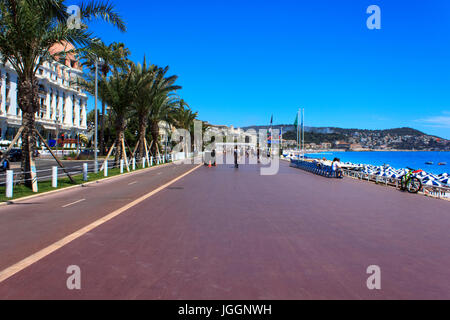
x,y
397,160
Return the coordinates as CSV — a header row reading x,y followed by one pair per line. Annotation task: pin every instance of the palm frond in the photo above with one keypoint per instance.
x,y
103,10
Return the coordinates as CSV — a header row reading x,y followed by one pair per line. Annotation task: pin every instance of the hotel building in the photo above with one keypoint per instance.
x,y
62,104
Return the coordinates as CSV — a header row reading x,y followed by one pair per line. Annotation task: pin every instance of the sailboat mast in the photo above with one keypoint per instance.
x,y
303,132
298,131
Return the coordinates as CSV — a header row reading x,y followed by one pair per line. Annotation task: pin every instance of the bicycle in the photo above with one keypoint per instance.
x,y
410,182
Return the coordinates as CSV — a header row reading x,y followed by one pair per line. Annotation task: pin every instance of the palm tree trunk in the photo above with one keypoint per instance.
x,y
102,129
142,134
28,145
155,136
120,135
27,96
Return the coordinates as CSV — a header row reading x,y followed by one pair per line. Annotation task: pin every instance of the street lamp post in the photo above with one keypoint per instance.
x,y
167,128
97,61
165,148
96,117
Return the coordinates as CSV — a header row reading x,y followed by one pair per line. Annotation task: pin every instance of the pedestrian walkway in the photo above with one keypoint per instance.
x,y
221,233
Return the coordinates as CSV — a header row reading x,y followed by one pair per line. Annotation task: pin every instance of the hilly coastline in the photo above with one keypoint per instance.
x,y
363,139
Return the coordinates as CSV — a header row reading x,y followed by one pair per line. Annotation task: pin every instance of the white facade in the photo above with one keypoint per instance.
x,y
63,105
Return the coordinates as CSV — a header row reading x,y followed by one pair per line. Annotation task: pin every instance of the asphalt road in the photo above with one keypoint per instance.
x,y
44,168
223,233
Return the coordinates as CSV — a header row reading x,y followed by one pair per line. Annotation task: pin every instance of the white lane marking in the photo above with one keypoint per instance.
x,y
71,204
25,263
130,184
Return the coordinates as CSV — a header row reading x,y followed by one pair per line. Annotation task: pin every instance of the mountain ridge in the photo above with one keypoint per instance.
x,y
403,138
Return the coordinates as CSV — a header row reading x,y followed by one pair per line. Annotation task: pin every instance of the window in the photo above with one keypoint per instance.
x,y
57,110
51,104
63,106
73,109
42,109
42,89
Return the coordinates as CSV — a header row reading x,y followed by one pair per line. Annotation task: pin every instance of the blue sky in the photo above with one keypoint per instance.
x,y
240,61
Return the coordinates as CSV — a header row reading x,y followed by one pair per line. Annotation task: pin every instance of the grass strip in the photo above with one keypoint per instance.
x,y
21,191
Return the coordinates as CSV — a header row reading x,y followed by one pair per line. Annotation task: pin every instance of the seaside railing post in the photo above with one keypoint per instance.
x,y
85,172
9,183
54,177
105,169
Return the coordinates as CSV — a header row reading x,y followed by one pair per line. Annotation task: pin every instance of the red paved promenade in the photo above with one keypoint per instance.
x,y
222,233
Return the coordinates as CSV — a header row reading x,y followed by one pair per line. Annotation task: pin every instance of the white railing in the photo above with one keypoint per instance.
x,y
11,178
440,192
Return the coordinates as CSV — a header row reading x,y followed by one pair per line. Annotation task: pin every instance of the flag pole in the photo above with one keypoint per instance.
x,y
303,132
298,132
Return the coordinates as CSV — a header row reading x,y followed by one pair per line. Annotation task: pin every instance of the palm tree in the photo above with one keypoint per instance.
x,y
153,100
28,30
162,106
115,57
119,92
183,118
143,100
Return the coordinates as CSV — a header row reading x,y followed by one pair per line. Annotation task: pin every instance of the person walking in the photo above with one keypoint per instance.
x,y
236,164
213,157
336,167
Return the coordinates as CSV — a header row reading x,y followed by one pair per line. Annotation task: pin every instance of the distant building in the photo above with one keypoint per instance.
x,y
326,145
342,145
290,143
312,146
356,147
